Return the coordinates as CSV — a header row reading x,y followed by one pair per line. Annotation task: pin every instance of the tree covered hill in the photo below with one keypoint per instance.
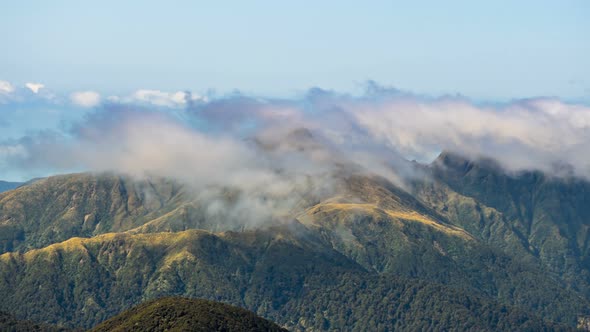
x,y
181,314
541,217
289,279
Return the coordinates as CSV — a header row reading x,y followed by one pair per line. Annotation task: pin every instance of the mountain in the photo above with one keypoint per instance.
x,y
465,246
57,208
5,186
180,314
81,282
542,217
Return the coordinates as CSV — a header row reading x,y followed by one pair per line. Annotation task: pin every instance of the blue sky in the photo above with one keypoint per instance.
x,y
496,49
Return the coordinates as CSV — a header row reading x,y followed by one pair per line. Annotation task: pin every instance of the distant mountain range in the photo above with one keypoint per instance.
x,y
467,246
5,186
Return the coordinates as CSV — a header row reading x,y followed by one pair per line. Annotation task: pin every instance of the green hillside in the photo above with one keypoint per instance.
x,y
81,282
57,208
541,217
81,248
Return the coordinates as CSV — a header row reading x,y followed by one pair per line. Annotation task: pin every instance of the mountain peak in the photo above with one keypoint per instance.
x,y
458,162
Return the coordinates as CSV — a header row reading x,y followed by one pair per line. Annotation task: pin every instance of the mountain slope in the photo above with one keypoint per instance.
x,y
549,216
181,314
57,208
84,281
390,232
141,242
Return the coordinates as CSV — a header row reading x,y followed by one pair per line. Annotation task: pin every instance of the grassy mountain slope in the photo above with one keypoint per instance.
x,y
391,233
84,281
57,208
181,314
142,244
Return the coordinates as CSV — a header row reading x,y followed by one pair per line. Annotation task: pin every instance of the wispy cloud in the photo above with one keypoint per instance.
x,y
535,133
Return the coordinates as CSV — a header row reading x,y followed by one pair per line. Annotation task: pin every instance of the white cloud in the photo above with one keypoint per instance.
x,y
85,98
34,87
6,87
528,134
539,133
368,131
161,98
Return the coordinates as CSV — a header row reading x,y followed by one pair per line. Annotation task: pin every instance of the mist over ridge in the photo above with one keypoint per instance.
x,y
206,140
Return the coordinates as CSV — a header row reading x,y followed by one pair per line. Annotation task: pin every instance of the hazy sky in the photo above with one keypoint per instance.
x,y
502,49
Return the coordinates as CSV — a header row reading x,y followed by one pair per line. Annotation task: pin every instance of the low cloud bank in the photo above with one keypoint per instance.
x,y
275,148
536,133
523,134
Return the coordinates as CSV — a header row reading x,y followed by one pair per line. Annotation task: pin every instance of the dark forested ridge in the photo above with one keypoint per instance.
x,y
181,314
84,281
467,247
548,217
9,323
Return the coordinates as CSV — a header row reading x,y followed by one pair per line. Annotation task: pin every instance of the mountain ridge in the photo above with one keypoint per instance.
x,y
111,242
550,215
274,290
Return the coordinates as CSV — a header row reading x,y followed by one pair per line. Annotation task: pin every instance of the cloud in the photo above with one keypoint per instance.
x,y
6,87
34,87
273,153
525,134
140,142
160,98
85,98
210,141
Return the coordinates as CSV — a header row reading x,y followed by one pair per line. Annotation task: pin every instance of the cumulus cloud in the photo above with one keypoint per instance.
x,y
34,87
85,98
6,87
